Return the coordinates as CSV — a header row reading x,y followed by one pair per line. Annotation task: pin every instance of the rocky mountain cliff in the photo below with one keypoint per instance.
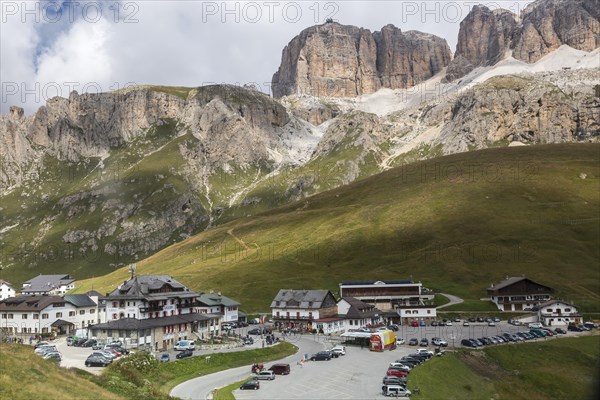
x,y
486,36
94,181
345,61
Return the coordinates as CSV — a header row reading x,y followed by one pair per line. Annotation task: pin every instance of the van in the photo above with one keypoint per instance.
x,y
265,375
280,369
185,345
395,390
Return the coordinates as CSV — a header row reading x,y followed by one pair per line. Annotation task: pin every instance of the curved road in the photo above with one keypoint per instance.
x,y
201,387
453,300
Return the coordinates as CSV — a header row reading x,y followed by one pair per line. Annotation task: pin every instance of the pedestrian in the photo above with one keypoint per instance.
x,y
263,344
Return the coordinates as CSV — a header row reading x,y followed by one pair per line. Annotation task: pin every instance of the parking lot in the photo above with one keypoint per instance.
x,y
357,375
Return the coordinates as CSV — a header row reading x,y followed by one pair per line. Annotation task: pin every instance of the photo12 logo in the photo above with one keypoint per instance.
x,y
253,12
70,11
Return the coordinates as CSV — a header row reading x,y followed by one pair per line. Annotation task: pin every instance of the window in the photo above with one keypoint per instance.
x,y
81,312
548,310
428,311
36,316
92,310
4,316
44,316
115,304
10,316
24,316
567,310
58,315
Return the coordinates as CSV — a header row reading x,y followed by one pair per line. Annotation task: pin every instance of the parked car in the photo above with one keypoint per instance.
x,y
590,325
435,323
394,327
425,352
341,350
257,331
536,325
53,355
468,343
184,354
466,323
250,385
280,369
448,323
414,324
491,323
70,340
496,319
97,361
321,356
396,372
398,364
395,390
400,341
104,353
394,380
439,342
89,343
265,376
413,342
247,340
45,348
41,343
422,323
98,346
574,328
165,357
560,331
185,345
424,342
480,319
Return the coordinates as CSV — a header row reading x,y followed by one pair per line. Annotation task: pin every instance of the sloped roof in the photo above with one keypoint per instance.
x,y
7,283
141,285
133,323
79,300
61,322
511,281
399,282
305,299
217,299
551,302
46,283
94,293
29,303
359,309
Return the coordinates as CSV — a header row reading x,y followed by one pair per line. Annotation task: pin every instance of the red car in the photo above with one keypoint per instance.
x,y
414,323
396,372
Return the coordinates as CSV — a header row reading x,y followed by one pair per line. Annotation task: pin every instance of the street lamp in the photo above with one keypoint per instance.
x,y
453,337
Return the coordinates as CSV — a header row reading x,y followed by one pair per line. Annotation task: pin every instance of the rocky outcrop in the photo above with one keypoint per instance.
x,y
485,36
548,24
483,39
346,61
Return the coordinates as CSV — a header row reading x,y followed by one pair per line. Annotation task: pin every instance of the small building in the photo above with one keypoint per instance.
x,y
558,313
158,334
298,309
386,295
351,314
216,303
417,313
6,290
519,294
50,285
26,315
149,296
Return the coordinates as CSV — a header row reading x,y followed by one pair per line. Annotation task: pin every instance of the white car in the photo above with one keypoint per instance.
x,y
399,341
439,342
400,366
341,350
449,323
491,323
536,325
424,351
466,323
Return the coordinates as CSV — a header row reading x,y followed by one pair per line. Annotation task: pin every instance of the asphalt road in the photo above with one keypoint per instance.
x,y
201,387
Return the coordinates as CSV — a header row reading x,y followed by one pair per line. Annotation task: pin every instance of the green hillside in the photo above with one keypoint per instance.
x,y
456,223
25,375
523,371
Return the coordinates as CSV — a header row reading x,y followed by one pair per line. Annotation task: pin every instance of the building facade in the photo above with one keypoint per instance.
x,y
6,290
216,303
518,294
298,309
50,285
351,314
386,295
26,315
558,313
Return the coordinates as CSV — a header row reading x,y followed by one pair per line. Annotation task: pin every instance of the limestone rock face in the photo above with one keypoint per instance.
x,y
485,36
548,24
483,39
346,61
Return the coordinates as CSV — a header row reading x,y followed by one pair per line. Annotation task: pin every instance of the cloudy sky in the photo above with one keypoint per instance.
x,y
49,48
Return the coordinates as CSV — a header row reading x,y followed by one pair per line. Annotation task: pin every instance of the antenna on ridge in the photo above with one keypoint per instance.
x,y
132,269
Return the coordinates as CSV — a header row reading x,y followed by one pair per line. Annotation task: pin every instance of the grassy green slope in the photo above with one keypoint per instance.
x,y
457,223
556,369
24,375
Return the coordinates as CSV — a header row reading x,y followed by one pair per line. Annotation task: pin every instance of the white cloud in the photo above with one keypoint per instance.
x,y
190,43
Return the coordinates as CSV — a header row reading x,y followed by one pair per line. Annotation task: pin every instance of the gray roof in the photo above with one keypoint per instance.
x,y
141,286
133,323
46,283
79,300
511,281
40,302
217,299
305,299
359,309
7,283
